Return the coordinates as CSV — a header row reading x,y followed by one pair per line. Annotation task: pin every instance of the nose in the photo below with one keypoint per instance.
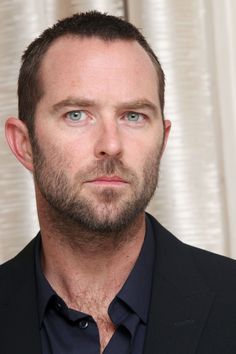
x,y
108,140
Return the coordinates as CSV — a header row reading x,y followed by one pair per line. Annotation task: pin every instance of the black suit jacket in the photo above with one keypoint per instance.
x,y
192,311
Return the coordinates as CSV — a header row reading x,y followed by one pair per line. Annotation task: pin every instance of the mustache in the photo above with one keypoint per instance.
x,y
107,167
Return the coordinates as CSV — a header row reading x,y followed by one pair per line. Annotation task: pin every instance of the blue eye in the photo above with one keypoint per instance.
x,y
134,116
76,116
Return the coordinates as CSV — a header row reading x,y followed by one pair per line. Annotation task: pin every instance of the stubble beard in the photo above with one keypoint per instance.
x,y
113,213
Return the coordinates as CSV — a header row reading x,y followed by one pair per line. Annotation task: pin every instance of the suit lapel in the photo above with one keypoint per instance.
x,y
180,299
18,308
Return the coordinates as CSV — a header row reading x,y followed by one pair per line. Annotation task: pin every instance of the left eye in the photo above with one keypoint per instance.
x,y
134,116
76,116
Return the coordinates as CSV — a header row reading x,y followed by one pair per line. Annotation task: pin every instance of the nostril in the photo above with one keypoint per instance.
x,y
108,140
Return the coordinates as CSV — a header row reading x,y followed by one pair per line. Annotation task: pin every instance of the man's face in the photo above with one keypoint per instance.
x,y
98,131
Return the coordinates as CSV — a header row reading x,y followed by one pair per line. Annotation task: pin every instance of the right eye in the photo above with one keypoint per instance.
x,y
76,116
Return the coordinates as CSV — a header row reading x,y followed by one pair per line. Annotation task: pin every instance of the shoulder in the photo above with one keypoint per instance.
x,y
216,270
193,284
17,270
24,255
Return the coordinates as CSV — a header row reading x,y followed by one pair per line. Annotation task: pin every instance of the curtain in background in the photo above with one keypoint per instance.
x,y
195,42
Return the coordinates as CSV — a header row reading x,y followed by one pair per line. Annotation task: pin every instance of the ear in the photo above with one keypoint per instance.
x,y
18,139
167,127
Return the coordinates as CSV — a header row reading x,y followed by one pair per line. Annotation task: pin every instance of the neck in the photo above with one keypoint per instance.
x,y
80,263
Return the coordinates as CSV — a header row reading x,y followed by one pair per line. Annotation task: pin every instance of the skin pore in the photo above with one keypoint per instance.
x,y
99,137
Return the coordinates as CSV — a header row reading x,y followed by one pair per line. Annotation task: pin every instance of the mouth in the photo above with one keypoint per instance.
x,y
108,181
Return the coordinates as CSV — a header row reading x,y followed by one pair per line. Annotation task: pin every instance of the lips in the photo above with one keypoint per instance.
x,y
108,179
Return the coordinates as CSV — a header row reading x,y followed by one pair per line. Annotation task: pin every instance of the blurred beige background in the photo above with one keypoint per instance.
x,y
195,42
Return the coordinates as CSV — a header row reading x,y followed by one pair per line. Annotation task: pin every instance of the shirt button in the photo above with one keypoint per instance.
x,y
83,324
58,306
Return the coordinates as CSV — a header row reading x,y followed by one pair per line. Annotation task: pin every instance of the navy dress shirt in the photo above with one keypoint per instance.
x,y
67,331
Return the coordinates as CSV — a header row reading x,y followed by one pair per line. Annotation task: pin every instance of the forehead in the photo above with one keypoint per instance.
x,y
73,60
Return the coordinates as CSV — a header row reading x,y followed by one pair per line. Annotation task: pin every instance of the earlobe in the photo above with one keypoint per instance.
x,y
18,140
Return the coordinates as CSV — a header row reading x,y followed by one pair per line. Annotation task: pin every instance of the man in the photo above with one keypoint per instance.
x,y
102,276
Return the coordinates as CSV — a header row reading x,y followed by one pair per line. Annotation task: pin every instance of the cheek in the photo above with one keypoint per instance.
x,y
137,159
77,156
140,150
78,150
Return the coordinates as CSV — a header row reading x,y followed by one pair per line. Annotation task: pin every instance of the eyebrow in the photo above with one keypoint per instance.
x,y
72,102
140,104
83,102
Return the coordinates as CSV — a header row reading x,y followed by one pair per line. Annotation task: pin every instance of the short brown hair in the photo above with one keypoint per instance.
x,y
89,24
